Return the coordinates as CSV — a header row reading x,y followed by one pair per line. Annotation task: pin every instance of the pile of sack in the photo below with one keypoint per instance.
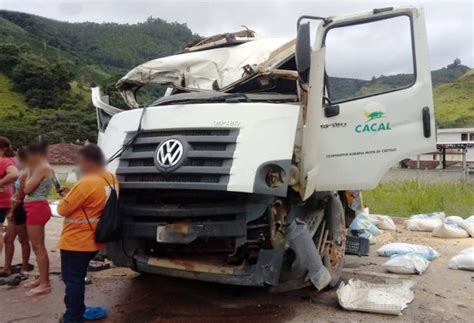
x,y
368,226
442,226
407,258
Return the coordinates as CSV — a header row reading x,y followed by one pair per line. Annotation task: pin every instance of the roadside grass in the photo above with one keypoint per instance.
x,y
410,197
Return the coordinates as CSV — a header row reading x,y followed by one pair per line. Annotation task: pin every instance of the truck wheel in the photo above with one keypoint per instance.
x,y
334,246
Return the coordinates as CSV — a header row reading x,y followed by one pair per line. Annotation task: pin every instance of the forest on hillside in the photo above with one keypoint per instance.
x,y
48,66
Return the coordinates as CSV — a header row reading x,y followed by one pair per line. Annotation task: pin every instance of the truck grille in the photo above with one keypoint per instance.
x,y
207,164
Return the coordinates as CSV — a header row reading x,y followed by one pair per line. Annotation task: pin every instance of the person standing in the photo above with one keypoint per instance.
x,y
17,223
38,184
82,208
8,174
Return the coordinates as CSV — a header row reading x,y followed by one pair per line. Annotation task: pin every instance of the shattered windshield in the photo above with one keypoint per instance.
x,y
215,97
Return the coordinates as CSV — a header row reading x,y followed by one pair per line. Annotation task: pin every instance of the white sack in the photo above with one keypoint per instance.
x,y
383,222
401,248
410,263
363,227
424,222
375,298
465,260
450,230
467,250
468,225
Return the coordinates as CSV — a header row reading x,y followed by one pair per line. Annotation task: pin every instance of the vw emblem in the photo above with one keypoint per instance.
x,y
169,153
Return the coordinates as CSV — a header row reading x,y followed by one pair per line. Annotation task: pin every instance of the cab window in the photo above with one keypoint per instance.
x,y
369,58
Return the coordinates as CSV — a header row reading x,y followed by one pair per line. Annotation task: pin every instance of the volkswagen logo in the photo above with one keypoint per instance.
x,y
169,153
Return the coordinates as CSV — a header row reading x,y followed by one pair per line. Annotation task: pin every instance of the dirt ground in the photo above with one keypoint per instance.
x,y
441,294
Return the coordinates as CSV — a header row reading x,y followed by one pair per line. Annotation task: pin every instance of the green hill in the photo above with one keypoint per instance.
x,y
108,44
453,92
454,102
47,67
9,100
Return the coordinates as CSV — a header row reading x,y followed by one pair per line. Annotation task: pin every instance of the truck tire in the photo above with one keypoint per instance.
x,y
334,248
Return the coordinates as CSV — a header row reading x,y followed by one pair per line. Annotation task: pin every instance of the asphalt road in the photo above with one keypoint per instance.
x,y
441,294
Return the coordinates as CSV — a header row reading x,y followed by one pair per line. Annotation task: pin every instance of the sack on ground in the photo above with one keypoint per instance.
x,y
410,263
383,222
424,222
467,250
465,260
468,225
450,230
401,248
361,226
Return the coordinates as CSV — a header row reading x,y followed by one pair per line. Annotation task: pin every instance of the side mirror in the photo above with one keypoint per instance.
x,y
303,52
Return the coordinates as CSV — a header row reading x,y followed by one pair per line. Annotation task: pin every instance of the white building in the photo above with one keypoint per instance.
x,y
455,146
457,136
63,159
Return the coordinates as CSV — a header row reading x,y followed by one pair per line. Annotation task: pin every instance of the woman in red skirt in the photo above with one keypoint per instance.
x,y
37,187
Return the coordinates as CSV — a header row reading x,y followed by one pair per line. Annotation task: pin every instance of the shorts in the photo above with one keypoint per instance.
x,y
3,214
19,215
37,212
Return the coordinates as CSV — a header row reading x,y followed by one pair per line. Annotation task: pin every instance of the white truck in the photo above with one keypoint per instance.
x,y
235,175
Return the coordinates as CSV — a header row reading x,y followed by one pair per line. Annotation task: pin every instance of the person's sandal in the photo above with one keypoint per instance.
x,y
36,292
31,284
4,274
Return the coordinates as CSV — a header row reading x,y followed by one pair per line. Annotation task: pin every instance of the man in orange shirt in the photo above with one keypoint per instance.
x,y
82,208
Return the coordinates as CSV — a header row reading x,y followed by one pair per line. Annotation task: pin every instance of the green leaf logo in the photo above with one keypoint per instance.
x,y
373,115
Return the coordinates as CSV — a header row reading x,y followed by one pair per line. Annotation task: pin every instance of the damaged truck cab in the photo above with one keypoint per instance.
x,y
233,176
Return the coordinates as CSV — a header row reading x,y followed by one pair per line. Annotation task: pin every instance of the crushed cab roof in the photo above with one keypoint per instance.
x,y
211,69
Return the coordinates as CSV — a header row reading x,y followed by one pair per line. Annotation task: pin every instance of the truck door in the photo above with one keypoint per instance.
x,y
104,111
370,99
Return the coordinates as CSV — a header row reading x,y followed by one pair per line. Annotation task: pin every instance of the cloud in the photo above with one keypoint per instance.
x,y
449,23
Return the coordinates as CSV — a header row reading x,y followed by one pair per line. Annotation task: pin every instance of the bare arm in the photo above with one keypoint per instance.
x,y
10,176
19,194
34,179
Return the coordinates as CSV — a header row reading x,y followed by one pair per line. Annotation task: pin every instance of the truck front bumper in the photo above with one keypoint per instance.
x,y
265,272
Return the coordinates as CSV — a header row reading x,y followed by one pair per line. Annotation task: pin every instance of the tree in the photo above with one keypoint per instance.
x,y
45,85
9,57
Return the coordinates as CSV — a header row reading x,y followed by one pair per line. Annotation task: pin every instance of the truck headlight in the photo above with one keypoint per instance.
x,y
275,176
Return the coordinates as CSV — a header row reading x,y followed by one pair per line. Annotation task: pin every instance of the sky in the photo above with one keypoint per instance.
x,y
450,25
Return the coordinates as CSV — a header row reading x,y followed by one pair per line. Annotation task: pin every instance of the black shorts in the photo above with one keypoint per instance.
x,y
19,216
3,215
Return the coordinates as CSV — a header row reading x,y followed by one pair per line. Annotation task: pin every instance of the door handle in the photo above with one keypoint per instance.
x,y
426,122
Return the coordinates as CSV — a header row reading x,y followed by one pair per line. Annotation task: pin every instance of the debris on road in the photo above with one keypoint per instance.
x,y
410,263
383,222
425,222
465,224
442,226
389,298
464,260
357,246
401,248
98,266
450,230
363,227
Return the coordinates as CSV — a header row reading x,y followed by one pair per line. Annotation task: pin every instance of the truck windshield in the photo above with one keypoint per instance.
x,y
216,97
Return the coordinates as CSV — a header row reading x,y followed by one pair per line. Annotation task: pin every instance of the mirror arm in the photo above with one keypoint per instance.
x,y
298,22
